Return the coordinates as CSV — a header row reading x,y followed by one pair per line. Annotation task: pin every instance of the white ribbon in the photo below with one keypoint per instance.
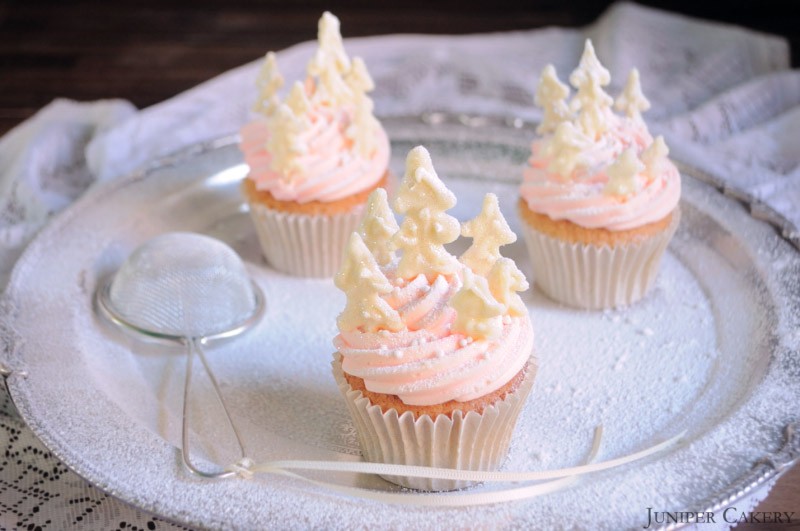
x,y
558,479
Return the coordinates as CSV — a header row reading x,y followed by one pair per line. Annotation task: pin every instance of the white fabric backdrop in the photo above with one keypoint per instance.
x,y
723,96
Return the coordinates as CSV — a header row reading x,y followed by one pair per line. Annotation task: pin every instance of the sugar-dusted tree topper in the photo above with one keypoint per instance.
x,y
378,226
332,88
591,101
298,102
330,51
329,64
632,100
363,282
564,149
489,231
551,96
364,124
655,155
423,198
478,315
269,82
595,109
283,143
589,67
622,173
358,78
505,280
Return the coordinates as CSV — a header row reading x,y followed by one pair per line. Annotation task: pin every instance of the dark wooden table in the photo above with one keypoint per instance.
x,y
146,51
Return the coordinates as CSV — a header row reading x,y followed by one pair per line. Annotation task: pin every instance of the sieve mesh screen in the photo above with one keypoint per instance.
x,y
183,284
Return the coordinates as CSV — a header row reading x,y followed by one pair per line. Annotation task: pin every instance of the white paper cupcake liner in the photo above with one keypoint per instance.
x,y
591,277
475,441
302,245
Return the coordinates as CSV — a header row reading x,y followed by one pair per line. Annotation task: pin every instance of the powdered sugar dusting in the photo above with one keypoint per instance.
x,y
712,349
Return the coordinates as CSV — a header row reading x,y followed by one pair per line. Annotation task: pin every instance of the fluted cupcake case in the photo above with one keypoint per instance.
x,y
596,277
471,441
304,245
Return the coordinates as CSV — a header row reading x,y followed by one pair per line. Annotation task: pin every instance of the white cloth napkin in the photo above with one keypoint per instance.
x,y
43,167
722,95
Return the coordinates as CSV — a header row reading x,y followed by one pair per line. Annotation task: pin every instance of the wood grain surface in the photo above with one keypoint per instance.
x,y
147,51
785,497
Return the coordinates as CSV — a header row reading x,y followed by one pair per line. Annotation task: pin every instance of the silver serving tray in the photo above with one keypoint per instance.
x,y
713,350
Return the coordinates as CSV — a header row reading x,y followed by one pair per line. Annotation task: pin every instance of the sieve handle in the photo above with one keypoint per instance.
x,y
195,346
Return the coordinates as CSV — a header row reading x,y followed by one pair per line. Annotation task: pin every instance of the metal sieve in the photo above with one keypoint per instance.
x,y
187,288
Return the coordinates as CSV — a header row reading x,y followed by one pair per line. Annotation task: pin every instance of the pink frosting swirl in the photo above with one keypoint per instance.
x,y
427,364
582,200
330,169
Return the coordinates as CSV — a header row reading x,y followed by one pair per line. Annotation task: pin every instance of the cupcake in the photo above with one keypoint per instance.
x,y
434,353
314,158
599,198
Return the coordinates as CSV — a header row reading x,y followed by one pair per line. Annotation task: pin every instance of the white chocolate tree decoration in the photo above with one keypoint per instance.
x,y
331,88
358,78
505,280
378,226
487,296
622,173
478,315
298,102
364,124
577,142
589,67
652,157
283,143
564,149
591,101
269,82
331,48
335,90
363,282
632,101
595,109
423,198
489,231
551,96
330,63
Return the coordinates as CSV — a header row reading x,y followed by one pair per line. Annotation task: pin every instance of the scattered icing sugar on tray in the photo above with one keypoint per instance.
x,y
602,368
712,350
